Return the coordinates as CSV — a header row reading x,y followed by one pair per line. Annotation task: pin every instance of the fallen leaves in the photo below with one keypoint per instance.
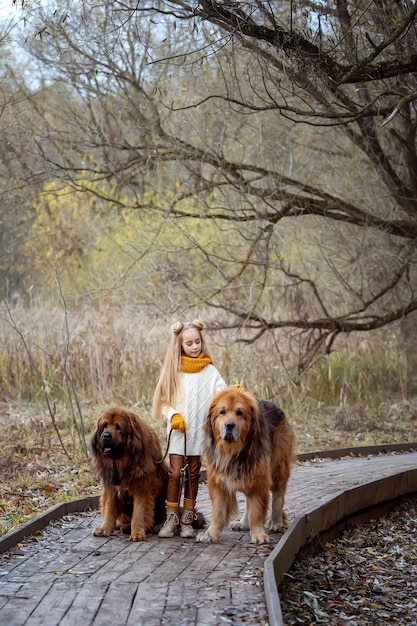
x,y
366,577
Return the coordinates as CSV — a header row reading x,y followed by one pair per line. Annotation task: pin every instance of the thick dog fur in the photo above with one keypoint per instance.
x,y
249,447
127,457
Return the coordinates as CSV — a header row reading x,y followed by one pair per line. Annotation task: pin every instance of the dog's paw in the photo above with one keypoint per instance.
x,y
204,538
101,532
260,538
138,535
239,525
277,528
277,525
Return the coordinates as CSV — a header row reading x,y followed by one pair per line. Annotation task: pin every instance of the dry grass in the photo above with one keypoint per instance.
x,y
115,355
391,421
35,473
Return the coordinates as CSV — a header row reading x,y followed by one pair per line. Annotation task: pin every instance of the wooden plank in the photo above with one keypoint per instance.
x,y
149,604
85,605
52,607
139,561
20,601
116,604
211,602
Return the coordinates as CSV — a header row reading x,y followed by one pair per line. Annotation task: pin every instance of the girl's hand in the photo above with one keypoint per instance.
x,y
178,423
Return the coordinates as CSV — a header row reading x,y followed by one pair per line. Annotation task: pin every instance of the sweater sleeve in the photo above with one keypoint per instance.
x,y
168,412
219,383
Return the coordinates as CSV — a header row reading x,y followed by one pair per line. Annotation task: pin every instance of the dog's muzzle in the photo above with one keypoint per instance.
x,y
229,431
106,440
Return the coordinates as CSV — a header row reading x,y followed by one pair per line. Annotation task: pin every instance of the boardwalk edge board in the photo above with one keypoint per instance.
x,y
359,503
338,453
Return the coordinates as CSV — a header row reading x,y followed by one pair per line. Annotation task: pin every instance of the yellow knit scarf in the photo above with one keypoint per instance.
x,y
192,365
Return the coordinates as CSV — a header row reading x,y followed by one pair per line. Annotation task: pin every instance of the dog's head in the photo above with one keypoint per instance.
x,y
125,449
113,434
232,418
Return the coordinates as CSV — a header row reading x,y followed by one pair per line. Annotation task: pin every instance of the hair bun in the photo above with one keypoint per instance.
x,y
177,327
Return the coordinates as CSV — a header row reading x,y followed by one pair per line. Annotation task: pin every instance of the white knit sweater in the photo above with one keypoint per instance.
x,y
193,400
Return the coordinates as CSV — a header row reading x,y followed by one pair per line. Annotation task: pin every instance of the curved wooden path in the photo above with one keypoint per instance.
x,y
63,575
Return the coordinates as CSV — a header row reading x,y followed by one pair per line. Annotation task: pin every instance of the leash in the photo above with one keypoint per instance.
x,y
162,459
183,471
187,476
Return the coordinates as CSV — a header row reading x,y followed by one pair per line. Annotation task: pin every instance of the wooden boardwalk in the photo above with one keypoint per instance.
x,y
65,576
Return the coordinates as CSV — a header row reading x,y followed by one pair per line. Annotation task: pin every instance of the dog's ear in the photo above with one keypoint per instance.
x,y
208,423
94,440
139,444
133,437
254,411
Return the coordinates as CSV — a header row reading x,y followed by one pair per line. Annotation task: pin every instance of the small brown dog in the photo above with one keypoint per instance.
x,y
249,447
127,457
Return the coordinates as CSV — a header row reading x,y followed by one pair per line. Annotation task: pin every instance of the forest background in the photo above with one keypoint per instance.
x,y
251,164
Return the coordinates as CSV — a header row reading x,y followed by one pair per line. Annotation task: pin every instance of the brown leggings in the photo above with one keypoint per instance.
x,y
192,474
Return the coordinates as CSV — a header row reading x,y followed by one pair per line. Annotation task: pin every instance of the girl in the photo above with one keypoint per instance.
x,y
187,382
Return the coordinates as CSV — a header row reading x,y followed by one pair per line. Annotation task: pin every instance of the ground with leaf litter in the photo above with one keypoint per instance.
x,y
368,576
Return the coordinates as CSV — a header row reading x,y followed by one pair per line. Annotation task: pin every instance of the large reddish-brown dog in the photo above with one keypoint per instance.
x,y
127,457
249,447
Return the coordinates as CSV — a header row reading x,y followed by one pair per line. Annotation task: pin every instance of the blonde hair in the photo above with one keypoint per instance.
x,y
167,386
